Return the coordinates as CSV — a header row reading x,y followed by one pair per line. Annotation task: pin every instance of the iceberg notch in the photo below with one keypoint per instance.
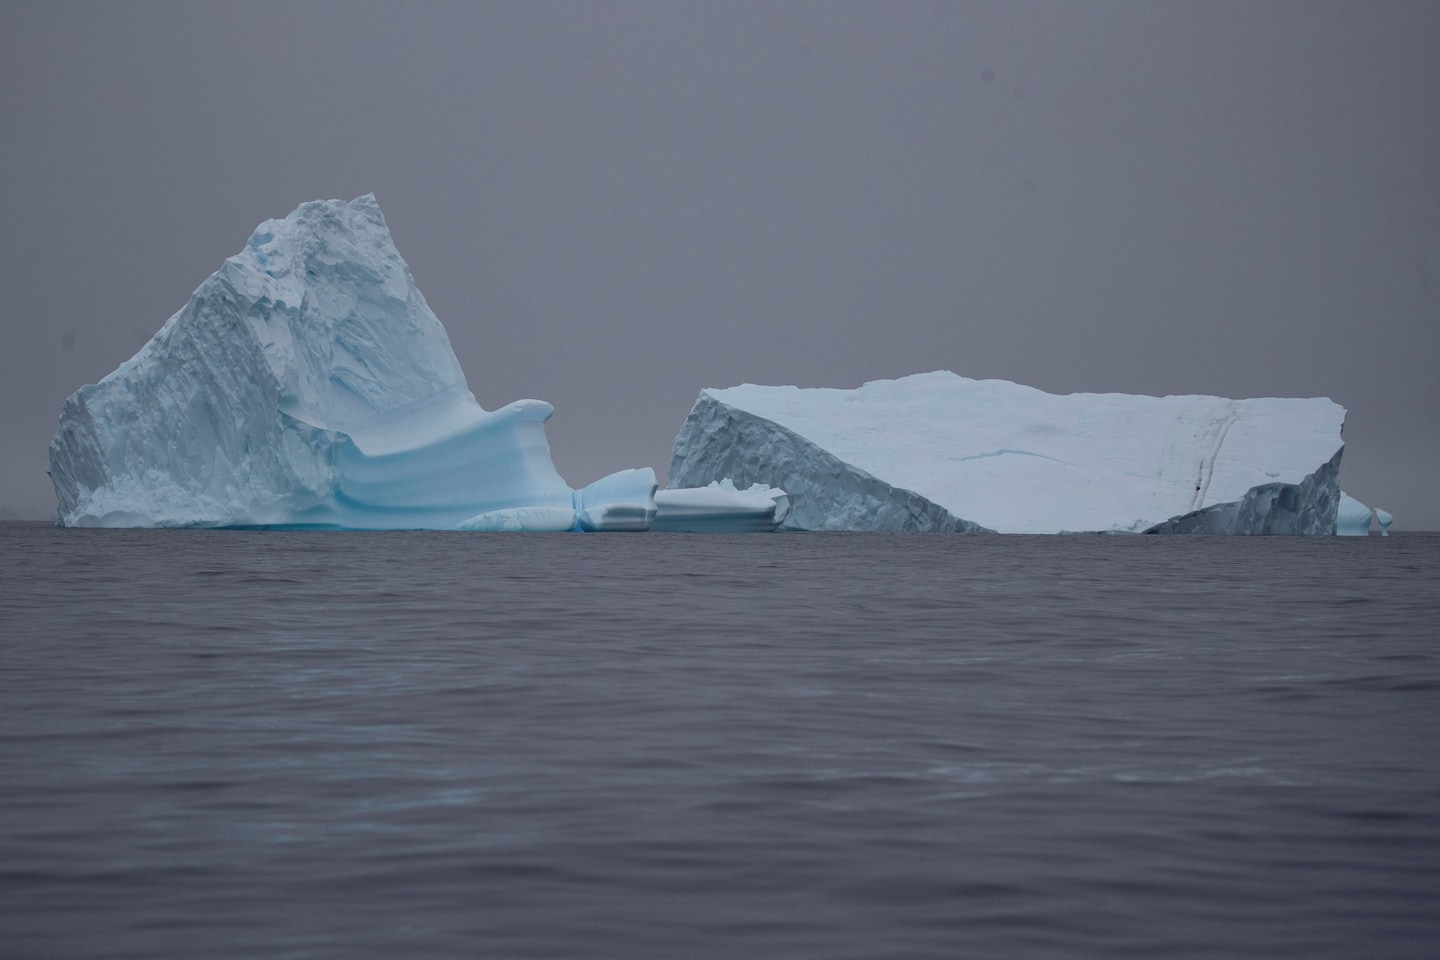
x,y
943,453
307,383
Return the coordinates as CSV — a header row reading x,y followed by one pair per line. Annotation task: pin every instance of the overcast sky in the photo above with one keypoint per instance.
x,y
613,205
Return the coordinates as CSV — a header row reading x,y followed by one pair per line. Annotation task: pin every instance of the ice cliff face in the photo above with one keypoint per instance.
x,y
939,452
306,382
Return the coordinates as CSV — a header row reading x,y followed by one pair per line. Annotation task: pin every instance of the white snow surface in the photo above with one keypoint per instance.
x,y
306,382
1353,517
940,451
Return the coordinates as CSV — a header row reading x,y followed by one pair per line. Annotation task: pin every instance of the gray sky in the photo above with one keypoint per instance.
x,y
613,205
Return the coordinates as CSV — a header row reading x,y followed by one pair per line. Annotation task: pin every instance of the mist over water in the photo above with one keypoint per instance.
x,y
234,744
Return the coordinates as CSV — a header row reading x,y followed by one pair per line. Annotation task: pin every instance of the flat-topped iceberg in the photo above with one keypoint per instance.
x,y
940,452
307,383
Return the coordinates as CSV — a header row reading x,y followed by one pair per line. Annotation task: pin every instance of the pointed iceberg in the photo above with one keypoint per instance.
x,y
307,383
944,453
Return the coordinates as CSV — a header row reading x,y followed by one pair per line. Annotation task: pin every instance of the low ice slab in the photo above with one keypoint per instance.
x,y
306,383
940,452
1353,517
720,508
522,520
623,502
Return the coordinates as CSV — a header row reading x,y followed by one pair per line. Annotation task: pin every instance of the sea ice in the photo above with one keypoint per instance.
x,y
940,452
307,383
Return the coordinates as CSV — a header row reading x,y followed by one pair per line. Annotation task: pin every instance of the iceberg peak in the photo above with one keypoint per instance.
x,y
306,382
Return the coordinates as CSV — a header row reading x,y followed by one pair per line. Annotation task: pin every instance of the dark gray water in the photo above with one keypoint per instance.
x,y
227,744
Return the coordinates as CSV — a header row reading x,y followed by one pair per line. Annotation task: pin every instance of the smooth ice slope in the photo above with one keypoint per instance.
x,y
621,502
307,383
1353,517
942,452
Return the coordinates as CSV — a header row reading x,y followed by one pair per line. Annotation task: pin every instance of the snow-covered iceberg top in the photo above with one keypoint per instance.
x,y
938,451
307,382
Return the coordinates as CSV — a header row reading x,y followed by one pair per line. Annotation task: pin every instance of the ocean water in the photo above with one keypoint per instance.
x,y
248,744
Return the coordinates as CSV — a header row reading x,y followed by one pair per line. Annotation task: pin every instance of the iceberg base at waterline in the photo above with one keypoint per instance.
x,y
522,520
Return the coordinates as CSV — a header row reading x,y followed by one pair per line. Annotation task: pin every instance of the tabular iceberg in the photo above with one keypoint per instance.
x,y
940,452
307,383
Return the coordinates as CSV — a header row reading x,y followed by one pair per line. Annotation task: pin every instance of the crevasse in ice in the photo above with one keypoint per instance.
x,y
307,383
941,452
